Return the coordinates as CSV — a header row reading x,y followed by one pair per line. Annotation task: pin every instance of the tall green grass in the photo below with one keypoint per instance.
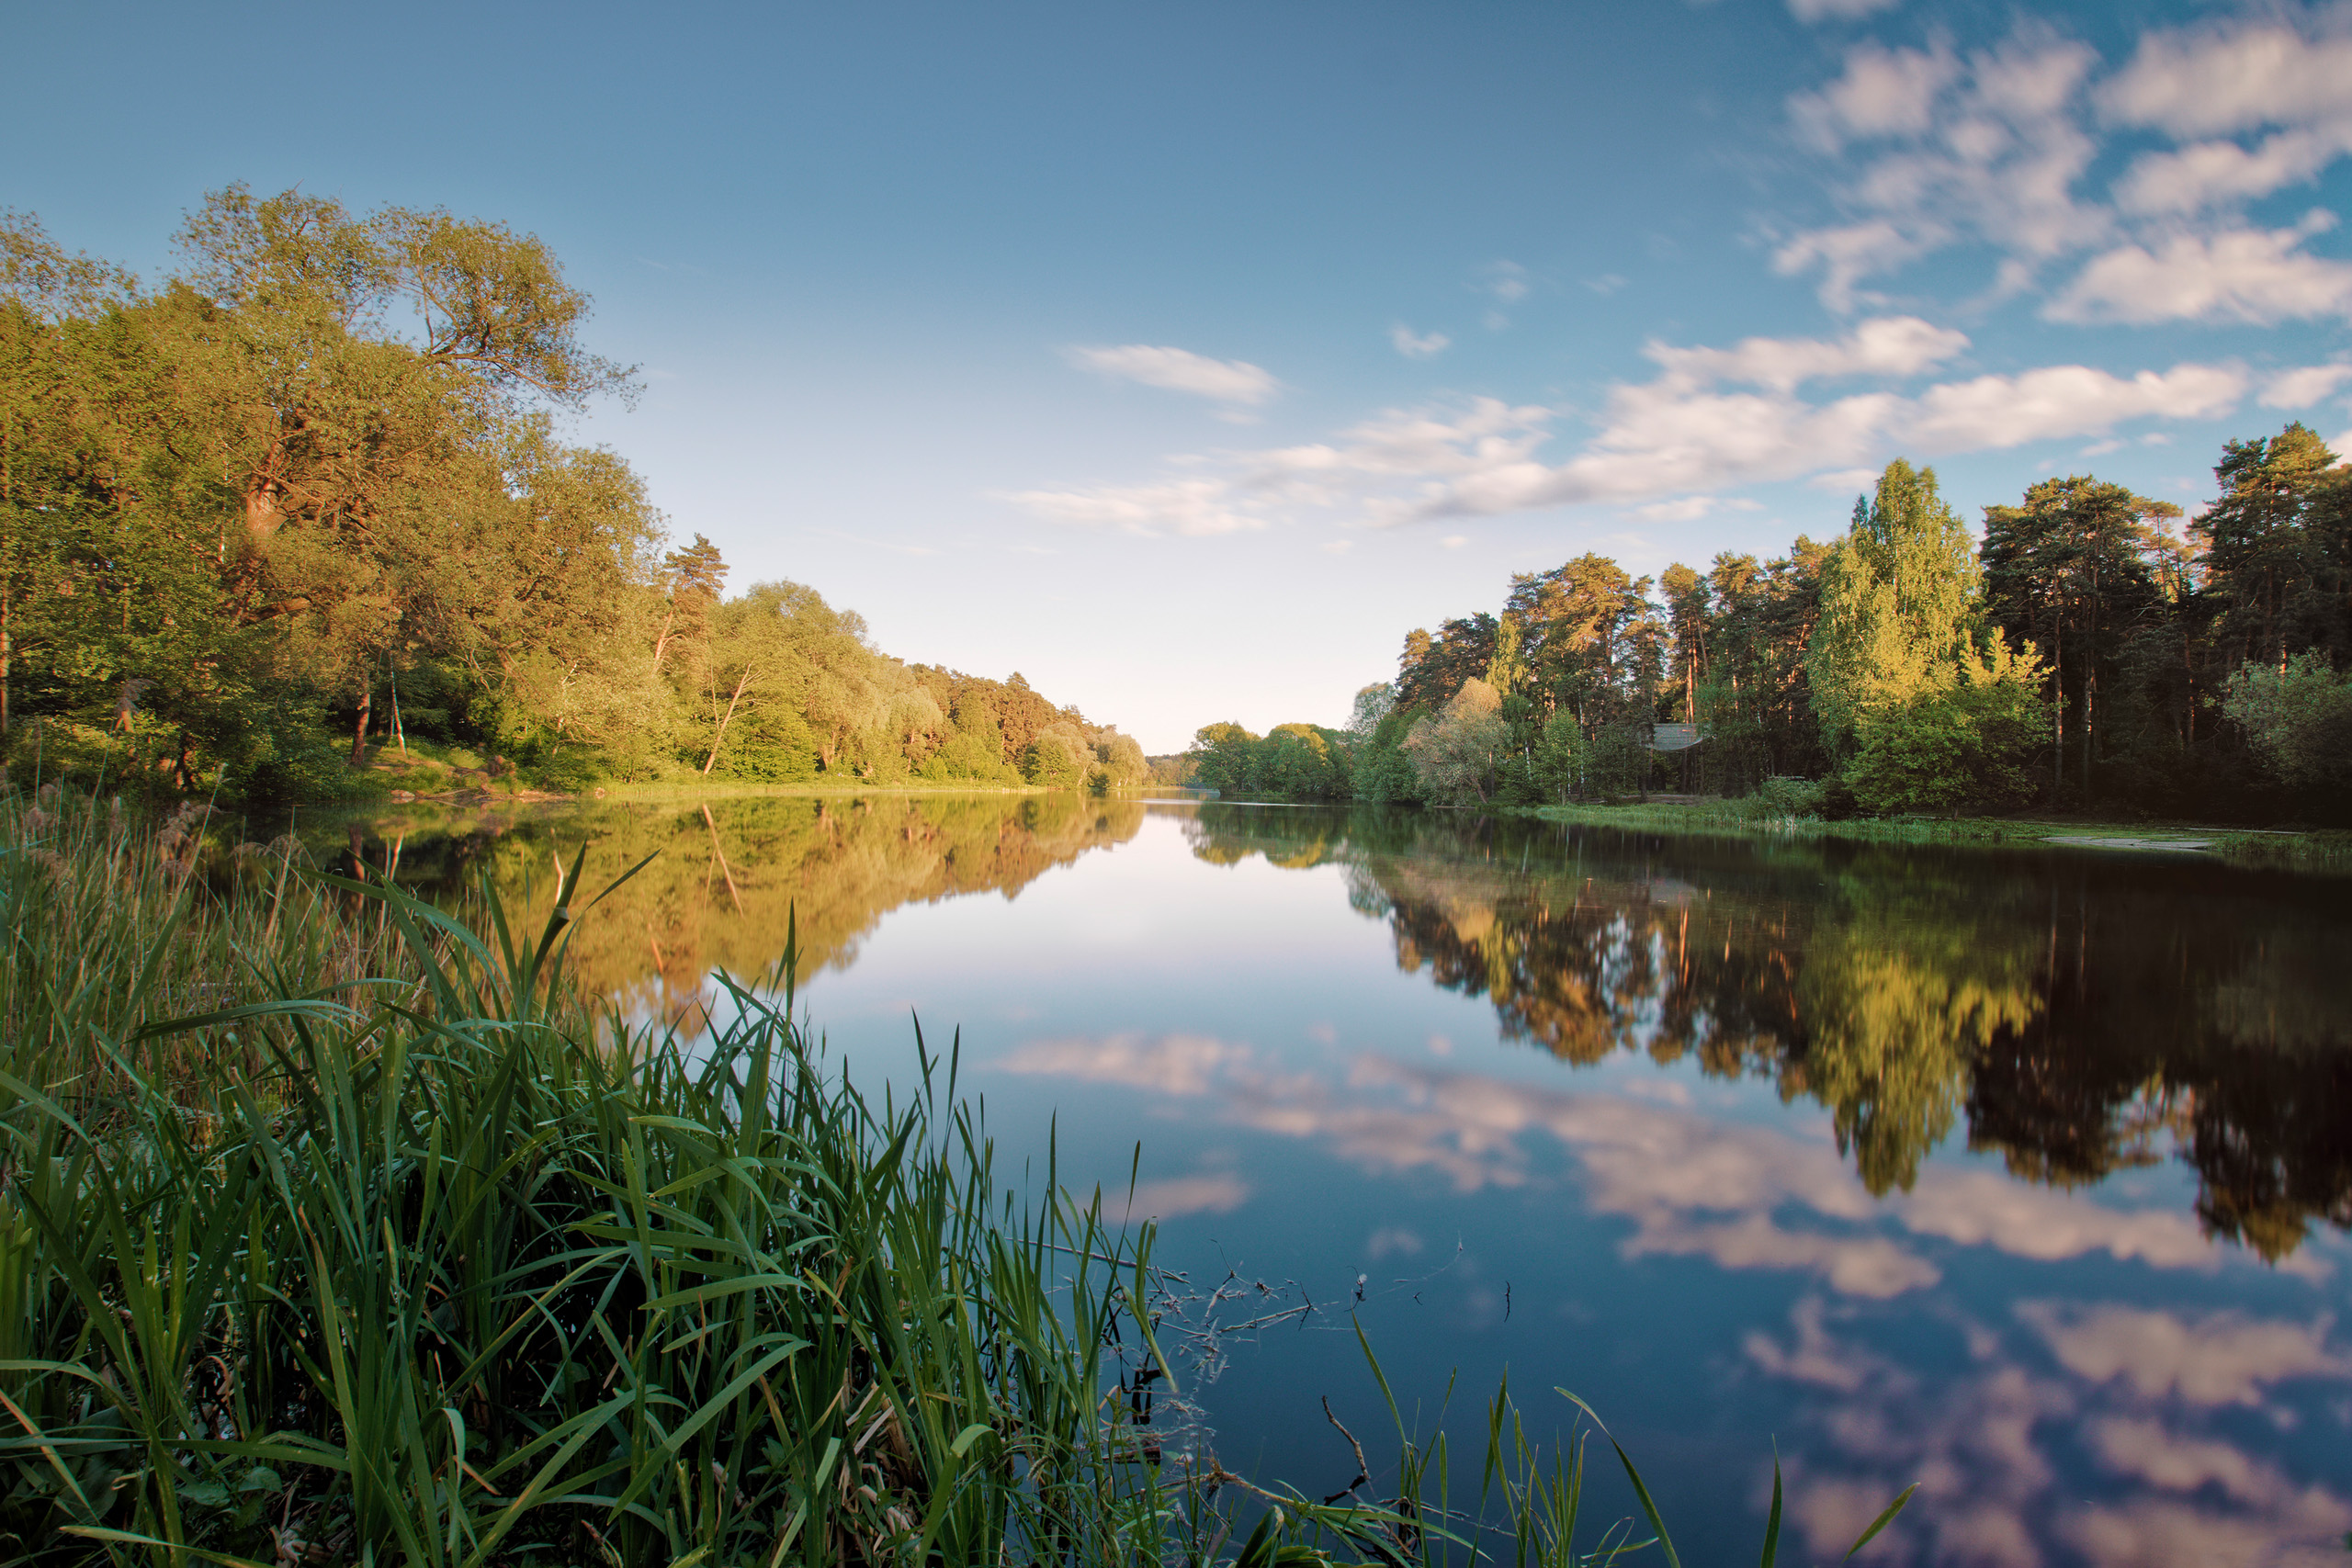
x,y
336,1229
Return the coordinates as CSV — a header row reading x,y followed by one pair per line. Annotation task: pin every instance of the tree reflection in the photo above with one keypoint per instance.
x,y
2080,1018
729,879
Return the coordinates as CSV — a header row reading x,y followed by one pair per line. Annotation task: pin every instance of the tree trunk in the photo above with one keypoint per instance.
x,y
662,642
359,732
723,720
262,513
263,510
2057,707
2090,678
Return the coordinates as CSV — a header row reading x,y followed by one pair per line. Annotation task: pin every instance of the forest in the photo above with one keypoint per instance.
x,y
2094,652
300,522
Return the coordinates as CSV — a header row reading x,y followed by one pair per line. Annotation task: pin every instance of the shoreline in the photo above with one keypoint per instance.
x,y
2287,849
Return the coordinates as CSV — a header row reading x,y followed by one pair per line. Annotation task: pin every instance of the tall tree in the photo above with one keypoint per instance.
x,y
1897,603
2073,568
2266,568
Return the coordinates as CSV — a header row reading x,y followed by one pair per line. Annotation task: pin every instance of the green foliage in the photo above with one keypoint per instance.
x,y
1787,798
2078,570
1383,773
1967,745
1897,605
1056,759
1456,753
1292,761
314,480
2297,717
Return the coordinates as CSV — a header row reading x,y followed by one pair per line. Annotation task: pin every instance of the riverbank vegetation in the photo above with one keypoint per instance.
x,y
306,507
334,1228
2089,654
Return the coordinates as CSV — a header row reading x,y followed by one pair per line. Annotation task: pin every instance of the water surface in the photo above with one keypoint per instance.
x,y
2022,1175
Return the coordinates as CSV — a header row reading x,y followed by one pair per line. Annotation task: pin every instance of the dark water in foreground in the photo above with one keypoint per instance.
x,y
2022,1175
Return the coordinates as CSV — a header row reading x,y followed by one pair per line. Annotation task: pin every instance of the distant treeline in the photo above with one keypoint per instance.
x,y
2088,653
307,499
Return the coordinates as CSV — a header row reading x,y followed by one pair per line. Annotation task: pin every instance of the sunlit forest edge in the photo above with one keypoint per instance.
x,y
300,523
2089,655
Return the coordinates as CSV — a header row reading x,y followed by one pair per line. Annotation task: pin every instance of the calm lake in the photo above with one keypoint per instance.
x,y
2025,1175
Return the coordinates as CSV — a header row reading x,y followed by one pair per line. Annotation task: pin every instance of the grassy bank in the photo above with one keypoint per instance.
x,y
334,1229
2310,850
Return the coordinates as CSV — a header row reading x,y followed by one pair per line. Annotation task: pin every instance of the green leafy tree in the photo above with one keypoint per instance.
x,y
1225,758
2266,568
2073,570
2299,721
1454,754
1964,745
1057,758
1897,604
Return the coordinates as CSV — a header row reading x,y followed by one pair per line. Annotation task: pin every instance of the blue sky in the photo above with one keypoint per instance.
x,y
1184,357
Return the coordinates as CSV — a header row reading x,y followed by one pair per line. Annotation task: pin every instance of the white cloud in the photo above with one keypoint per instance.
x,y
1195,507
2211,173
2260,275
1506,280
1691,508
1839,10
1712,418
1414,346
1180,370
1660,438
1682,509
2232,76
2060,401
1405,444
1882,92
1983,146
1849,253
2301,388
1845,479
2001,148
1454,541
1887,345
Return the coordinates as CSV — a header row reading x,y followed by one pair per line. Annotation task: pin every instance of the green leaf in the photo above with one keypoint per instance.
x,y
1881,1522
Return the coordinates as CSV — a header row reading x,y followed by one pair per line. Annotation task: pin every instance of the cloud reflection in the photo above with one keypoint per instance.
x,y
1985,1443
1180,1195
2225,1359
1742,1197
